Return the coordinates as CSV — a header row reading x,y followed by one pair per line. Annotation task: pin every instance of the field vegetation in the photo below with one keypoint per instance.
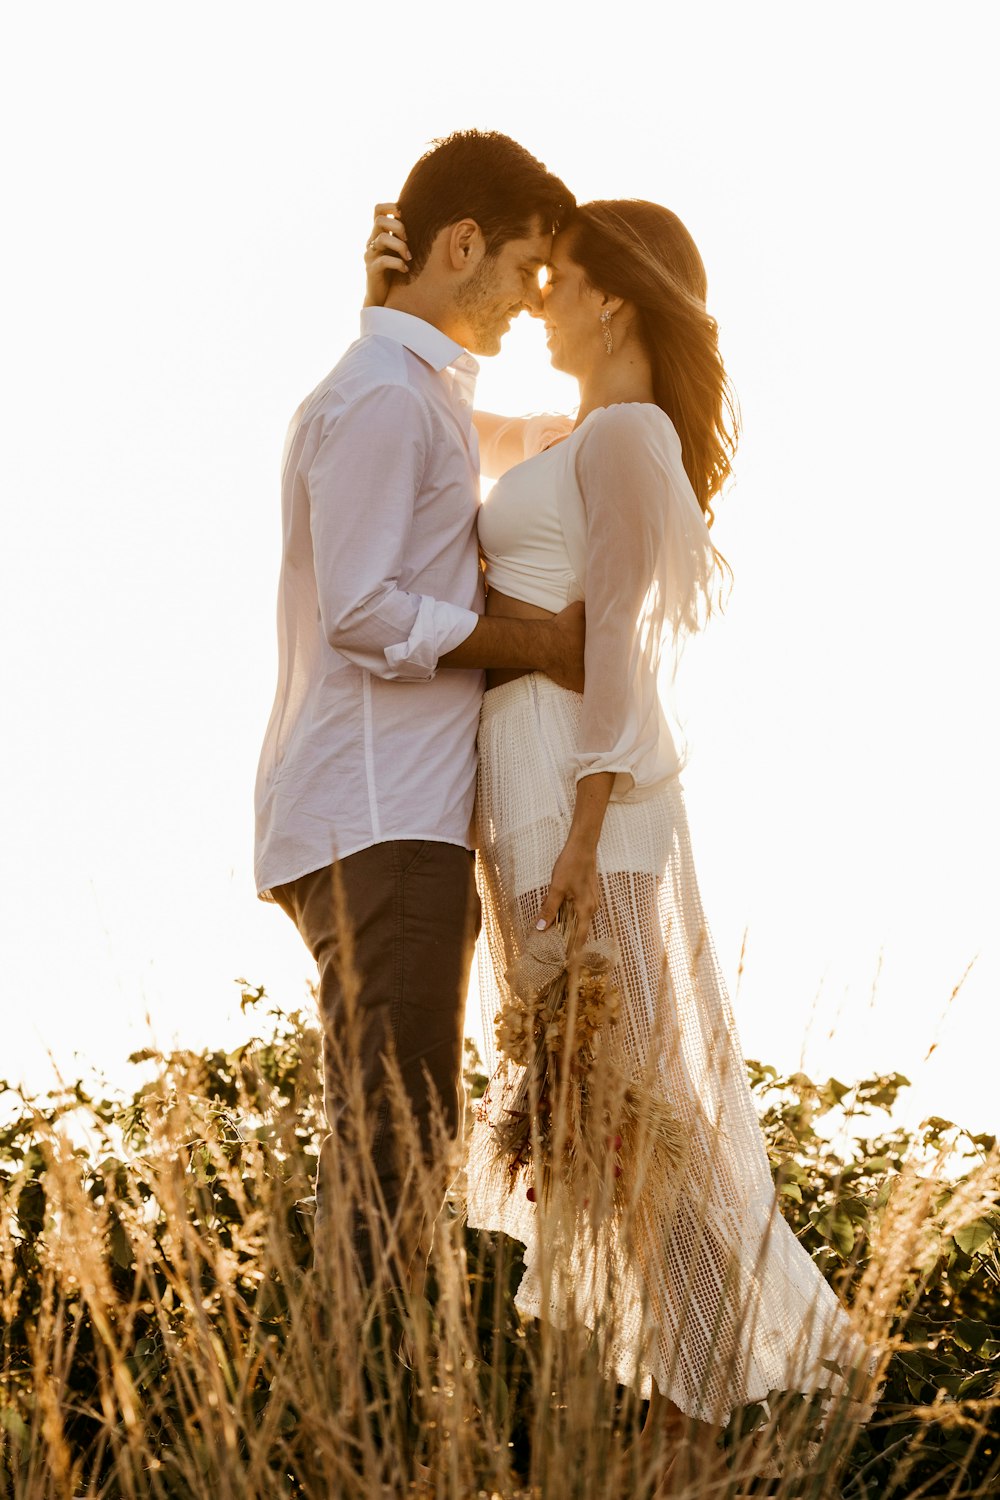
x,y
163,1332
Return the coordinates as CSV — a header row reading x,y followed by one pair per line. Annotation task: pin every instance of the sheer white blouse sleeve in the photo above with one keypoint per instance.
x,y
651,571
505,441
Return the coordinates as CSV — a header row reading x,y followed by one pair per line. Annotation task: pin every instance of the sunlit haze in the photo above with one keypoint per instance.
x,y
188,193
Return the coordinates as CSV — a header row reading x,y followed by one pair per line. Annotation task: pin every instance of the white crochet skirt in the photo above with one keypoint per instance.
x,y
709,1295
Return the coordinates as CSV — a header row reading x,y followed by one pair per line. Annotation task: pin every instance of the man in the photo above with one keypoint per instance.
x,y
367,775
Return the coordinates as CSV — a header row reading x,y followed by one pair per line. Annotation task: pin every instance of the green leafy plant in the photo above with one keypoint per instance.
x,y
163,1333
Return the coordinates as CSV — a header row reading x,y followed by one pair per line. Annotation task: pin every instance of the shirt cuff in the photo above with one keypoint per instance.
x,y
438,629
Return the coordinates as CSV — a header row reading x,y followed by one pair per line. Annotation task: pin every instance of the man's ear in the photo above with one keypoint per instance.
x,y
464,245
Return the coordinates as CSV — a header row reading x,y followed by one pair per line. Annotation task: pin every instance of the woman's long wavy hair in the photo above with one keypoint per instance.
x,y
629,248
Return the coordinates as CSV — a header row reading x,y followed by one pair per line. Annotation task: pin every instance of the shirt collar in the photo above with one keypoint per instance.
x,y
423,339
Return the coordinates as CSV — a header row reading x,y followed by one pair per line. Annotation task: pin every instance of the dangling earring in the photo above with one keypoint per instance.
x,y
609,342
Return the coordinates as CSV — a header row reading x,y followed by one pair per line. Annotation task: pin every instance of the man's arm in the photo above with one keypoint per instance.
x,y
362,486
554,646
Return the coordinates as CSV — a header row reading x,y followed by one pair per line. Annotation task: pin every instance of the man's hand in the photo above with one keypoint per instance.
x,y
564,647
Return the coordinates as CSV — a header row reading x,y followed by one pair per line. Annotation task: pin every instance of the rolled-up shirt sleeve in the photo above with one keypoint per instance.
x,y
363,483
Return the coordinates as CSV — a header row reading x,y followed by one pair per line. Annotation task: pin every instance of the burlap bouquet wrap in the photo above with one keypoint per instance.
x,y
546,956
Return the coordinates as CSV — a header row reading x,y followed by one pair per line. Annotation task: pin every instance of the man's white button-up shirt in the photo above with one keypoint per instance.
x,y
380,576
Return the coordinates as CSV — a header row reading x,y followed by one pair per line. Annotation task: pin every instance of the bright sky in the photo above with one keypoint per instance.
x,y
188,189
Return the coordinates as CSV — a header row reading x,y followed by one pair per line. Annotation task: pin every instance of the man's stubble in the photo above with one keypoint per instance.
x,y
480,305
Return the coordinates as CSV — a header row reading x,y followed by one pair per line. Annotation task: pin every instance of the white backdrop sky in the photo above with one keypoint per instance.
x,y
187,191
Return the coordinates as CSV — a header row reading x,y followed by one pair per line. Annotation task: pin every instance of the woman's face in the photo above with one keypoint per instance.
x,y
571,312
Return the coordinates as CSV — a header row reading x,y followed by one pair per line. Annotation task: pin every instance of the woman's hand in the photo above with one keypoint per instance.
x,y
574,874
386,253
574,878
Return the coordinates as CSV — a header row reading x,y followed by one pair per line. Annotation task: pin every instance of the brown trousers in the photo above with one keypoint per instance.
x,y
413,916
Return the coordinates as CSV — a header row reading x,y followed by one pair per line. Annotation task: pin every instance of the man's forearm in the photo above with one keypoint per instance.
x,y
501,642
552,646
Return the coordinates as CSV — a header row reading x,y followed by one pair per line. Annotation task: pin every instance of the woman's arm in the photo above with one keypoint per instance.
x,y
501,441
644,561
386,254
621,556
574,875
650,579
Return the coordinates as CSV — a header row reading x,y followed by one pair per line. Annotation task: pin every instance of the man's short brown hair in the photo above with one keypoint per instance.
x,y
484,176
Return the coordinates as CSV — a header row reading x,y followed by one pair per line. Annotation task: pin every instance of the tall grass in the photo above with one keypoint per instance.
x,y
166,1329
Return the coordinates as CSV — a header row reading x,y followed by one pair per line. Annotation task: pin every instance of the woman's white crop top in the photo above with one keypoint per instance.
x,y
607,515
520,532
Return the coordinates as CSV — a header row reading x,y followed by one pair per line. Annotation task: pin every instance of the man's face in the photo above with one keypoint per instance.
x,y
501,286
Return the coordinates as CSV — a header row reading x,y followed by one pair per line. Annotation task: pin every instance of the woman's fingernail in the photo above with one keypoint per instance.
x,y
541,924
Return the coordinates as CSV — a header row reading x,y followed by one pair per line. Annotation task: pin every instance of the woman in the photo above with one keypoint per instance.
x,y
711,1301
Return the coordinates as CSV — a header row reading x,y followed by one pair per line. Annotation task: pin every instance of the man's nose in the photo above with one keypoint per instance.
x,y
533,301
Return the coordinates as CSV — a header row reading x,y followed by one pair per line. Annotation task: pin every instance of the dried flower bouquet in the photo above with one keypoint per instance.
x,y
561,1107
